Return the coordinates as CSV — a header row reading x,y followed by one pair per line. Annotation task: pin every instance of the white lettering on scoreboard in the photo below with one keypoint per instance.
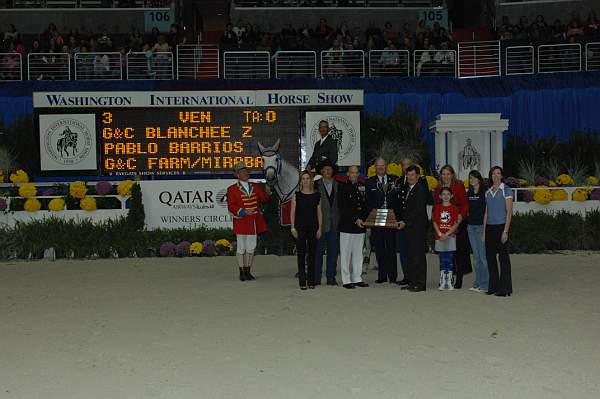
x,y
258,98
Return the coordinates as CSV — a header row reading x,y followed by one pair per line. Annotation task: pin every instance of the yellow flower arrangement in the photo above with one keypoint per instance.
x,y
542,197
466,184
56,204
27,190
223,242
580,195
371,171
32,205
421,170
196,248
124,188
394,169
552,183
1,176
591,181
523,182
565,180
559,195
432,182
20,176
77,189
88,204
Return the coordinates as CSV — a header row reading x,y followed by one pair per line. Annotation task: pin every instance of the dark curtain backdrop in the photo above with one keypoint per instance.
x,y
536,106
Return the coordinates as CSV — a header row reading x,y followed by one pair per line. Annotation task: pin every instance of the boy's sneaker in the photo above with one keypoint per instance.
x,y
475,289
442,281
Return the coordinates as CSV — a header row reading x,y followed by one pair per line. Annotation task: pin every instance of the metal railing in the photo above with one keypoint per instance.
x,y
98,66
479,59
342,63
198,61
11,67
295,64
592,56
559,58
389,63
150,66
519,60
246,65
28,4
203,62
49,66
434,63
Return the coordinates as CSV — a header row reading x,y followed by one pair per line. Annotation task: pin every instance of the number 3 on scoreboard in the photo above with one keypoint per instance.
x,y
247,132
107,118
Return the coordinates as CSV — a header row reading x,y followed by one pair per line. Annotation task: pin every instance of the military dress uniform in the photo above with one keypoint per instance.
x,y
242,198
352,207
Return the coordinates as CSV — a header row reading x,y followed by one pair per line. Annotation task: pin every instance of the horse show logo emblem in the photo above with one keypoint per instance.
x,y
342,130
68,141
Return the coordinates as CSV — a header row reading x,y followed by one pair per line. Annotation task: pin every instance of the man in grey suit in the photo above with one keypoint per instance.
x,y
330,235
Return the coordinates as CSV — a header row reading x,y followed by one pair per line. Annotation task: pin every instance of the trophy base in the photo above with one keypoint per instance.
x,y
384,218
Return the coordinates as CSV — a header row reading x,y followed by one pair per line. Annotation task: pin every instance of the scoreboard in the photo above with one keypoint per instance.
x,y
174,133
193,140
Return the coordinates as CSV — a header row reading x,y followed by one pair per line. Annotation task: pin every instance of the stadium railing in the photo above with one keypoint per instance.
x,y
342,63
559,58
11,67
198,61
295,64
49,66
479,59
28,4
246,65
150,66
389,63
592,56
434,63
98,66
519,60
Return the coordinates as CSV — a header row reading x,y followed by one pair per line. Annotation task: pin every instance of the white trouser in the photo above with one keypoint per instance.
x,y
246,243
351,246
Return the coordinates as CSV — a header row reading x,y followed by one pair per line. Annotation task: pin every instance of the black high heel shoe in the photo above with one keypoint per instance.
x,y
303,287
490,293
502,294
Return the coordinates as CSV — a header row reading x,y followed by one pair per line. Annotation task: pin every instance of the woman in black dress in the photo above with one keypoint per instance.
x,y
306,218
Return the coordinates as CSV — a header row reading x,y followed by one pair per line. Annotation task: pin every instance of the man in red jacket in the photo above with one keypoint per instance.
x,y
243,200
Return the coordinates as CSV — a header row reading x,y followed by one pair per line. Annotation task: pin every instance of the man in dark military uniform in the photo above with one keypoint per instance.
x,y
326,149
380,189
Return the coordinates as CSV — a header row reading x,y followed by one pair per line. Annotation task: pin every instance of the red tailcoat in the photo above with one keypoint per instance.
x,y
238,199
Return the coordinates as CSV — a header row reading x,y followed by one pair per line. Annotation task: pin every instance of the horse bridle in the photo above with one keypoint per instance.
x,y
276,169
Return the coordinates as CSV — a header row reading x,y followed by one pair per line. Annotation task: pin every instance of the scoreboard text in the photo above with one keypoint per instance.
x,y
174,141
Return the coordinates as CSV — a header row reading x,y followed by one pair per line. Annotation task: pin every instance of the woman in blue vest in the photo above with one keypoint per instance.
x,y
496,222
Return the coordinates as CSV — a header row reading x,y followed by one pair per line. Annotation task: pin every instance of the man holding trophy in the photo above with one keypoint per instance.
x,y
381,198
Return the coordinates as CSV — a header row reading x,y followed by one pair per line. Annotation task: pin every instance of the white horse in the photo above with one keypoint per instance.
x,y
280,174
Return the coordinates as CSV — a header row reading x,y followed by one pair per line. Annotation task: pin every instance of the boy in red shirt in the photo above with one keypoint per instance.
x,y
446,218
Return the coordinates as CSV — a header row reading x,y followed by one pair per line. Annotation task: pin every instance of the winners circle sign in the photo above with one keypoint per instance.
x,y
344,127
68,142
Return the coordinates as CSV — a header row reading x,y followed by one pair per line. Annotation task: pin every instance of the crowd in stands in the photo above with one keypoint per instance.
x,y
435,41
538,31
71,42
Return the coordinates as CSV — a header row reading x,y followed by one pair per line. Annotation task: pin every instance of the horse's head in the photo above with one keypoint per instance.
x,y
271,161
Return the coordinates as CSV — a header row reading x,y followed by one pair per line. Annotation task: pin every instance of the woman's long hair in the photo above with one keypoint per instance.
x,y
311,184
450,169
477,175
